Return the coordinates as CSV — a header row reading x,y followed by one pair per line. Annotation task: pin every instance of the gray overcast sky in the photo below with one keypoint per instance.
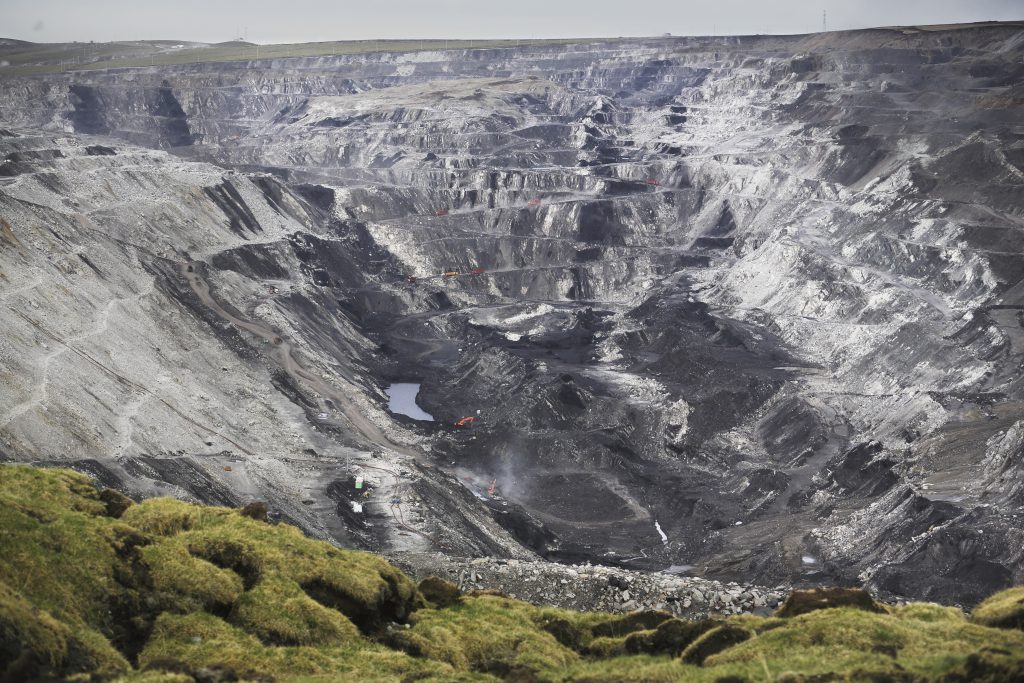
x,y
271,21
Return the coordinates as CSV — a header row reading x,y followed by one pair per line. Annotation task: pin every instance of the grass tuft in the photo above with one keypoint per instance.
x,y
194,583
278,612
714,641
162,516
486,634
1002,610
438,592
802,602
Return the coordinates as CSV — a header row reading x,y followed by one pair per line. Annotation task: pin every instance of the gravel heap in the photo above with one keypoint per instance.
x,y
591,587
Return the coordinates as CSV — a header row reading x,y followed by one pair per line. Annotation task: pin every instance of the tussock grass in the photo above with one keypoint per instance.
x,y
1003,610
94,586
486,633
202,641
279,612
194,583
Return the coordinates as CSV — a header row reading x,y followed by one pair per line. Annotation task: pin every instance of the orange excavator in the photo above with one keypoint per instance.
x,y
450,273
465,422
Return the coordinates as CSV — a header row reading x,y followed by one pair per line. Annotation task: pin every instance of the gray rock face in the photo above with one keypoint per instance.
x,y
750,306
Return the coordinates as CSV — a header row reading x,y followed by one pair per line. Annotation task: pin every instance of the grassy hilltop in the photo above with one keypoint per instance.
x,y
95,587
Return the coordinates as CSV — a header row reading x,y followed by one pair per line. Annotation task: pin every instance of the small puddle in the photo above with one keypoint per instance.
x,y
402,400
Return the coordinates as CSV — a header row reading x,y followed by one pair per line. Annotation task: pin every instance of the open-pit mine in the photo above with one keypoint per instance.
x,y
711,310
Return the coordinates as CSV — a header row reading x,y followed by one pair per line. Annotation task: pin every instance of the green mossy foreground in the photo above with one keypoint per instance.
x,y
94,587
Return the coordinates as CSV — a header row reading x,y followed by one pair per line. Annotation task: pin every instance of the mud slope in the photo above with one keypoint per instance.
x,y
749,307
